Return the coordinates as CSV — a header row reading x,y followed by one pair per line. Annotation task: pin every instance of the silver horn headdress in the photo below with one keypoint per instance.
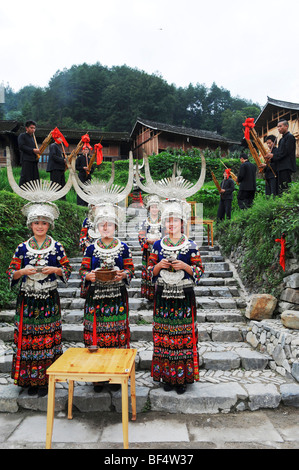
x,y
40,194
174,190
105,196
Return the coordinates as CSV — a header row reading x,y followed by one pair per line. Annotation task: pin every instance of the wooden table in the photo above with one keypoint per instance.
x,y
78,364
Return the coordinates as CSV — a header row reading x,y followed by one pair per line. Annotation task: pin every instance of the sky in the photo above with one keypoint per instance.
x,y
247,47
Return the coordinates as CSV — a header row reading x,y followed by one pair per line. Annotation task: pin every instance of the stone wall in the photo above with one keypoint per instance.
x,y
280,343
289,297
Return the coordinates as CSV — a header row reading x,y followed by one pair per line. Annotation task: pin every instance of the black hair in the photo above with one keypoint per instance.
x,y
30,123
271,137
243,155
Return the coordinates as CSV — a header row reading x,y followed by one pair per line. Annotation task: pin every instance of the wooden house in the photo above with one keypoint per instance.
x,y
155,137
116,145
274,111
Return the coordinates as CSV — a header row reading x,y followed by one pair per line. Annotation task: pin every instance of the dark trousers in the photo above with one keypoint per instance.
x,y
245,198
29,172
224,209
271,186
284,179
58,176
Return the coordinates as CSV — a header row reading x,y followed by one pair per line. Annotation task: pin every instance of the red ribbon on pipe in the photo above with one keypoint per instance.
x,y
99,153
58,137
86,139
248,124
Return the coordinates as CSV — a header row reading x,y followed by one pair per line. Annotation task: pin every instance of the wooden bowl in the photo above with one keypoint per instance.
x,y
93,348
105,275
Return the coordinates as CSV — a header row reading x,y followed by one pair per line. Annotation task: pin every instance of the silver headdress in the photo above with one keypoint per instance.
x,y
151,199
40,194
105,196
174,190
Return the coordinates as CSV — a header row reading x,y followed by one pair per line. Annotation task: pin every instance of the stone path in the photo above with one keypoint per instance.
x,y
233,375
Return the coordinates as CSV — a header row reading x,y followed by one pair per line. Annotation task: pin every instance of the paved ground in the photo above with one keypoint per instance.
x,y
263,429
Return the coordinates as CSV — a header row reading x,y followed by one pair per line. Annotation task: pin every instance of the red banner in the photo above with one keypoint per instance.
x,y
282,257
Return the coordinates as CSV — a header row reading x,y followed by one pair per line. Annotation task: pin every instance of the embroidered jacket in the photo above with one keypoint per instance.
x,y
28,253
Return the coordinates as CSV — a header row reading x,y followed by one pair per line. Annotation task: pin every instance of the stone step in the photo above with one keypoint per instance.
x,y
216,392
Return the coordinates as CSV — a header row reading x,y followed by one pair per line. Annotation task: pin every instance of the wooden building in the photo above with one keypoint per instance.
x,y
274,111
155,137
116,145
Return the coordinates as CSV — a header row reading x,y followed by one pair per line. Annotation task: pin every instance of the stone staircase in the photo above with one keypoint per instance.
x,y
233,375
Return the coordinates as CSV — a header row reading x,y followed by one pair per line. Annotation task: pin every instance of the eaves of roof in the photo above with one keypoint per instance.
x,y
186,131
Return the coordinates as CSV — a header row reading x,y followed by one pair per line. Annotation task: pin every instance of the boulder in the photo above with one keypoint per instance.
x,y
290,319
261,307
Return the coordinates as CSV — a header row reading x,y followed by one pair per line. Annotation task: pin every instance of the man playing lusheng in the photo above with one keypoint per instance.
x,y
247,180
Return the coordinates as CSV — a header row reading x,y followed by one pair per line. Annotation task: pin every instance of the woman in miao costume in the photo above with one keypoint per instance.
x,y
150,231
95,186
37,264
106,309
175,266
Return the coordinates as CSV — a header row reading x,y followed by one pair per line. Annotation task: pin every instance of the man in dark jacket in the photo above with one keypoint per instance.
x,y
56,164
29,152
285,157
247,182
271,178
226,196
82,163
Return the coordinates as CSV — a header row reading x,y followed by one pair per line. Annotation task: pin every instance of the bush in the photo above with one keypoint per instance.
x,y
252,233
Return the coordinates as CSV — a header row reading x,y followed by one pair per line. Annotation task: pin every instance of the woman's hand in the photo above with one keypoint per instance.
x,y
163,264
120,275
178,264
52,270
91,276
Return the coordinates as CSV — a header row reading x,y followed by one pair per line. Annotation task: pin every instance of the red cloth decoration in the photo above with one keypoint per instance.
x,y
59,137
282,241
99,153
20,334
248,124
86,139
227,171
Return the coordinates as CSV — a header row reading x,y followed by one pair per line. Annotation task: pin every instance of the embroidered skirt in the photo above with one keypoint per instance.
x,y
147,287
39,344
106,321
175,356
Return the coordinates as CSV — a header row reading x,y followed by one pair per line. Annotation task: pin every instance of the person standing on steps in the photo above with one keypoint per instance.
x,y
37,264
149,232
226,196
106,269
175,266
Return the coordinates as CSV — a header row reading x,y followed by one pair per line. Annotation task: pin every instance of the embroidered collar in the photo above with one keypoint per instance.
x,y
33,247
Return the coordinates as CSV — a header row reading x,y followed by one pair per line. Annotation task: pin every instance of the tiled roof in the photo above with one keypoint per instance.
x,y
270,107
9,126
187,131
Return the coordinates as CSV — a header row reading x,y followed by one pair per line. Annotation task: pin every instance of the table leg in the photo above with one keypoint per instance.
x,y
125,411
133,393
50,411
70,400
208,234
212,234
